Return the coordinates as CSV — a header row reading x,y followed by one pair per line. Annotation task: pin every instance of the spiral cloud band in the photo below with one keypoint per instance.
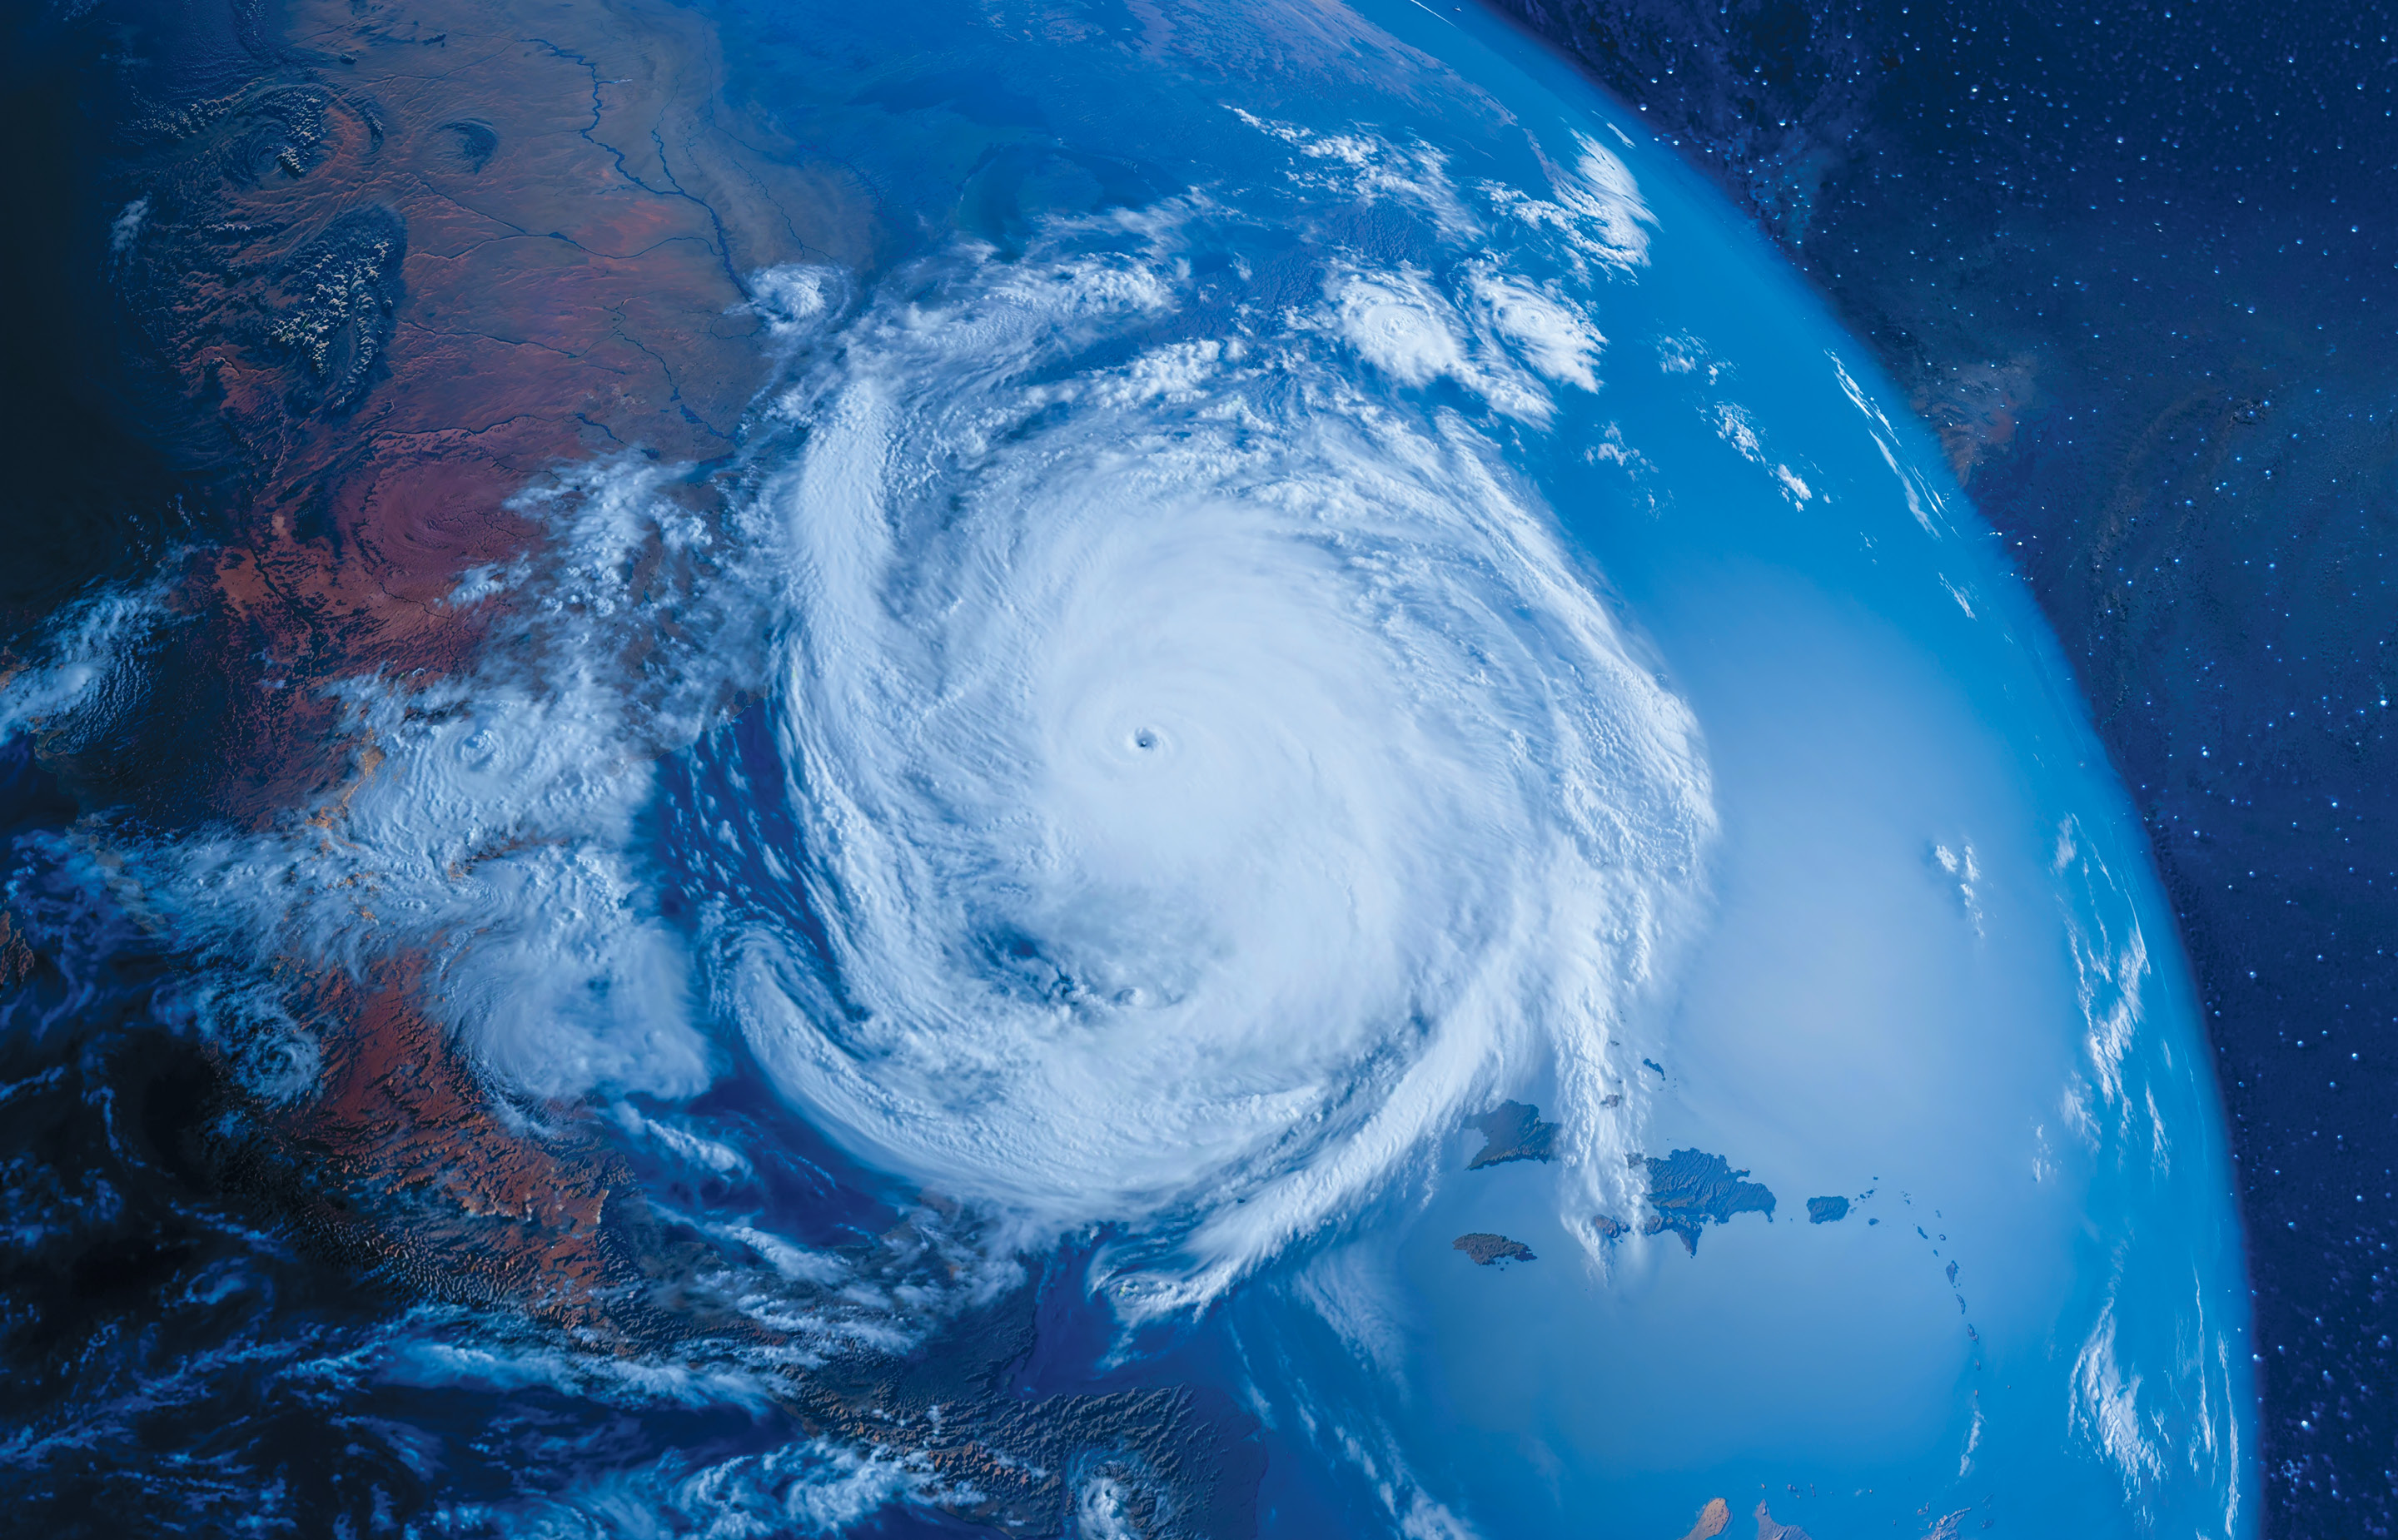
x,y
1212,774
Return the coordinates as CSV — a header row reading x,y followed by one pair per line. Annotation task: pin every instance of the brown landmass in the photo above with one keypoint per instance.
x,y
437,249
403,1157
1713,1519
17,958
1487,1250
448,245
1513,1132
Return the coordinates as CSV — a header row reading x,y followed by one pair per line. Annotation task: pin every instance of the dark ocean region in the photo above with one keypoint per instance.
x,y
92,499
2138,266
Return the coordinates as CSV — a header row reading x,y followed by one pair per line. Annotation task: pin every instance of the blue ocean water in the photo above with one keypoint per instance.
x,y
1325,584
1937,977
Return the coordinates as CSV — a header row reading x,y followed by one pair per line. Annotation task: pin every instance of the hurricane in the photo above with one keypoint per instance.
x,y
1209,776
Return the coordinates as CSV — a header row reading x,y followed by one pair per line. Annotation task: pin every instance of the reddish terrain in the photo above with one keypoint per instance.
x,y
443,248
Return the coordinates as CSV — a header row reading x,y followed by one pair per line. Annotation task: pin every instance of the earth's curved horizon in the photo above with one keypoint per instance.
x,y
1195,772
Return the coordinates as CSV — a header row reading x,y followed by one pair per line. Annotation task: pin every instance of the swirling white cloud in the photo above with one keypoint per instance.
x,y
1215,775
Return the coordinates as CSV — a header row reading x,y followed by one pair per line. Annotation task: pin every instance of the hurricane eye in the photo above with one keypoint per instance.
x,y
1144,739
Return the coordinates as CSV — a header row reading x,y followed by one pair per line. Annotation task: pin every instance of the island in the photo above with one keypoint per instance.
x,y
1826,1211
1690,1187
1513,1132
1487,1250
1609,1226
